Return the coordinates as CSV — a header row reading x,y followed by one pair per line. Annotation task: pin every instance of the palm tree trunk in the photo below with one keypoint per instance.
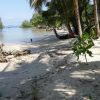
x,y
77,15
62,37
98,2
69,28
67,23
96,18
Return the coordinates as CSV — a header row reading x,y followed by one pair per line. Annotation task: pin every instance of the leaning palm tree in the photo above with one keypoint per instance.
x,y
57,6
96,18
64,9
77,15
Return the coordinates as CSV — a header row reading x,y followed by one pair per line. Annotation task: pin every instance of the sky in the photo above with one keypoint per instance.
x,y
13,12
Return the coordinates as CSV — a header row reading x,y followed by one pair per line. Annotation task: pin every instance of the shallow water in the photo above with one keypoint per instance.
x,y
21,35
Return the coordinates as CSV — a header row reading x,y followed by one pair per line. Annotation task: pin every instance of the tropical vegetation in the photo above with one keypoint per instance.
x,y
37,19
79,14
80,17
1,24
26,24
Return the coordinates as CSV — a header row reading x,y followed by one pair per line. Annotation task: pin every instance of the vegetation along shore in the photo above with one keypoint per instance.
x,y
63,65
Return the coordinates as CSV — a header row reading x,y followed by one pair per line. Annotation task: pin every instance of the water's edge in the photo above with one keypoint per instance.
x,y
22,35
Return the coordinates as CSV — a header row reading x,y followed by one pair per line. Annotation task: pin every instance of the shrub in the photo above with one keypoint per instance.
x,y
1,24
26,24
82,45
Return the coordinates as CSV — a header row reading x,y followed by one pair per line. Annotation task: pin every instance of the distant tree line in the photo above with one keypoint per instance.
x,y
37,21
26,24
1,24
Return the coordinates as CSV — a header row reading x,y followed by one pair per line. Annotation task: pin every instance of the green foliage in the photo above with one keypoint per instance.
x,y
93,32
46,18
1,24
82,45
37,19
59,13
52,18
58,23
26,24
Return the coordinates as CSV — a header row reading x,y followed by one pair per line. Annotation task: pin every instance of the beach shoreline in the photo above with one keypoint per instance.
x,y
55,68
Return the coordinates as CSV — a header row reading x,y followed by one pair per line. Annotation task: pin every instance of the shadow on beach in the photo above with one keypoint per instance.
x,y
59,76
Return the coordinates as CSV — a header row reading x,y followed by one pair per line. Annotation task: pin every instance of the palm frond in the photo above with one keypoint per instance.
x,y
37,4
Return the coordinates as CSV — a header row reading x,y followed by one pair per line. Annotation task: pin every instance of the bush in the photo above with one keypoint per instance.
x,y
37,19
26,24
82,45
1,24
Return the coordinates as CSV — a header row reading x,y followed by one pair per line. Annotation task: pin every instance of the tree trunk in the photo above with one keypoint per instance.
x,y
70,30
74,24
96,18
67,23
77,15
62,37
98,9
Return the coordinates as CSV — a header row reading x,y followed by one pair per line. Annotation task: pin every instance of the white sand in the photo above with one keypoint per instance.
x,y
62,78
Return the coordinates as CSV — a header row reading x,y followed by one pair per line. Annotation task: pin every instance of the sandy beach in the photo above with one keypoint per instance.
x,y
57,73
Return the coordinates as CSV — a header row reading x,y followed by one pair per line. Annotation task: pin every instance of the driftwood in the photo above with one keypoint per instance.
x,y
3,59
6,53
21,53
4,56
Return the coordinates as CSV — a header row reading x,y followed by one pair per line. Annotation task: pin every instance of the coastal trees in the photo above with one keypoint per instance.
x,y
84,42
38,20
1,24
26,24
65,11
58,9
57,13
78,16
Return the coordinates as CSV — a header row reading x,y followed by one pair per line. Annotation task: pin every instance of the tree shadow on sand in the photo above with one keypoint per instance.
x,y
58,75
80,82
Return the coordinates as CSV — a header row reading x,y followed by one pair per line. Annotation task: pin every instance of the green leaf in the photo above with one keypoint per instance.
x,y
89,53
82,45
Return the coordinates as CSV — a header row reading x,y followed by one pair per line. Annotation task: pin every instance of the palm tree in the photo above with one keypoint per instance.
x,y
60,7
96,18
77,15
37,4
65,9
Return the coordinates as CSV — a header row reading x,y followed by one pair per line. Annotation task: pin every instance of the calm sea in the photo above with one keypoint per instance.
x,y
21,35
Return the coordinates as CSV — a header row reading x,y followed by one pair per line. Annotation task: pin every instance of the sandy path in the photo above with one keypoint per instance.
x,y
16,73
69,81
72,80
